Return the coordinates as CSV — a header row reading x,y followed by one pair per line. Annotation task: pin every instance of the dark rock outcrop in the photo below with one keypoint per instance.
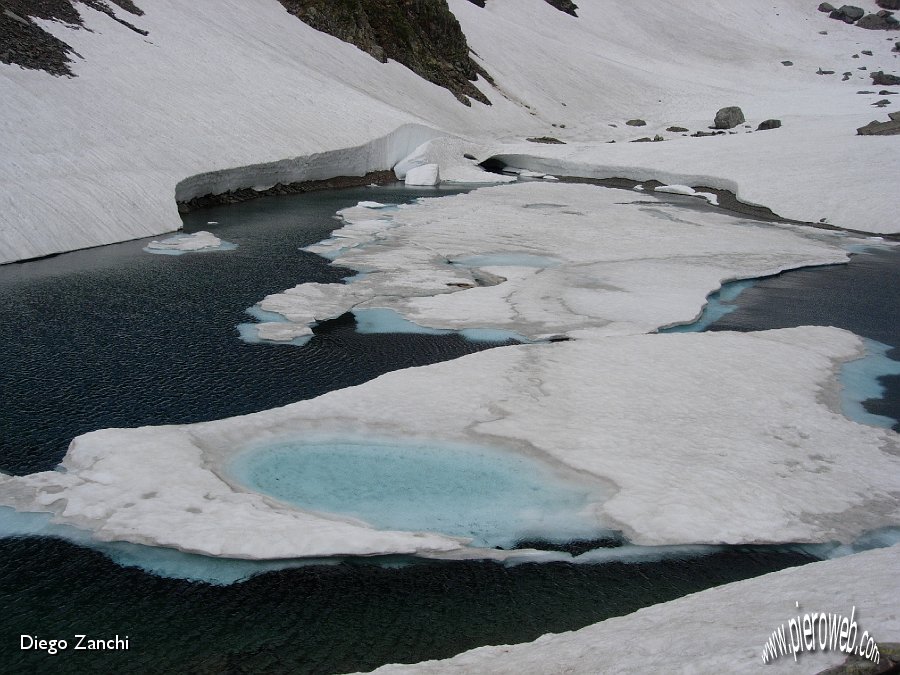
x,y
729,118
636,123
848,13
550,140
676,130
24,43
566,6
883,20
875,128
768,124
884,79
888,4
423,35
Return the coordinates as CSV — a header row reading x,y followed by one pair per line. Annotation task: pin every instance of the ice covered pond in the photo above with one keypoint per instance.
x,y
491,497
115,337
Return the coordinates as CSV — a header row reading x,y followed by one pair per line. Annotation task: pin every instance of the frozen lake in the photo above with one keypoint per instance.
x,y
117,337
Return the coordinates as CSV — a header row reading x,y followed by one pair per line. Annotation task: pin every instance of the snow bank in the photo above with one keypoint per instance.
x,y
622,263
718,630
427,174
705,438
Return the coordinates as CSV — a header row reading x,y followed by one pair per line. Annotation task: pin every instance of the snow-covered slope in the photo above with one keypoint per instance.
x,y
220,84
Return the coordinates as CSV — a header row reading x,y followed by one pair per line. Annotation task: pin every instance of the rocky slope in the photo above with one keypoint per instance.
x,y
423,35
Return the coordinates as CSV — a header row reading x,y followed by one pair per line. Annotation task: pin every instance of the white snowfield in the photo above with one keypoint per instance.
x,y
705,438
543,259
224,94
720,630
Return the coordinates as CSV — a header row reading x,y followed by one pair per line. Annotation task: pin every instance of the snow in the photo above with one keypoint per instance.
x,y
189,243
677,189
371,205
620,265
102,155
427,174
704,438
718,630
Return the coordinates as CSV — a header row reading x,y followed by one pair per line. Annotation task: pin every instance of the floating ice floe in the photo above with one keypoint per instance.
x,y
697,438
197,242
617,268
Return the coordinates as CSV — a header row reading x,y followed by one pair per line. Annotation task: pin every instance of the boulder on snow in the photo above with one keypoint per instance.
x,y
848,13
729,118
883,20
826,7
427,174
636,123
876,128
768,124
888,4
884,79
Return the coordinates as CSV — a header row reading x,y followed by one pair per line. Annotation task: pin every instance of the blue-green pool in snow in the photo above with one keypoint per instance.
x,y
492,496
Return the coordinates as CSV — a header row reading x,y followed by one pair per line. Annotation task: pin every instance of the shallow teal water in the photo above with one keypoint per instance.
x,y
718,304
496,498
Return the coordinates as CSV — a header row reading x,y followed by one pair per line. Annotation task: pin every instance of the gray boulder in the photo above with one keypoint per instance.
x,y
826,7
848,13
729,118
888,4
884,79
891,128
636,123
883,20
768,124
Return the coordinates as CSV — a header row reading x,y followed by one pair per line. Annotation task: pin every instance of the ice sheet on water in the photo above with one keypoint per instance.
x,y
510,259
161,561
198,242
272,328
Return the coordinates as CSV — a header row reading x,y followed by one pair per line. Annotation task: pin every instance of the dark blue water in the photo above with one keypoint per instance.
x,y
117,337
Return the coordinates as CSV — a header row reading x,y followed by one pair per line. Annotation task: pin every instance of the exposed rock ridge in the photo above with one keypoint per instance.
x,y
423,35
566,6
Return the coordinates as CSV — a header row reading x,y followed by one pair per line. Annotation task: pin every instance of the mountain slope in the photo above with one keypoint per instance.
x,y
220,85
